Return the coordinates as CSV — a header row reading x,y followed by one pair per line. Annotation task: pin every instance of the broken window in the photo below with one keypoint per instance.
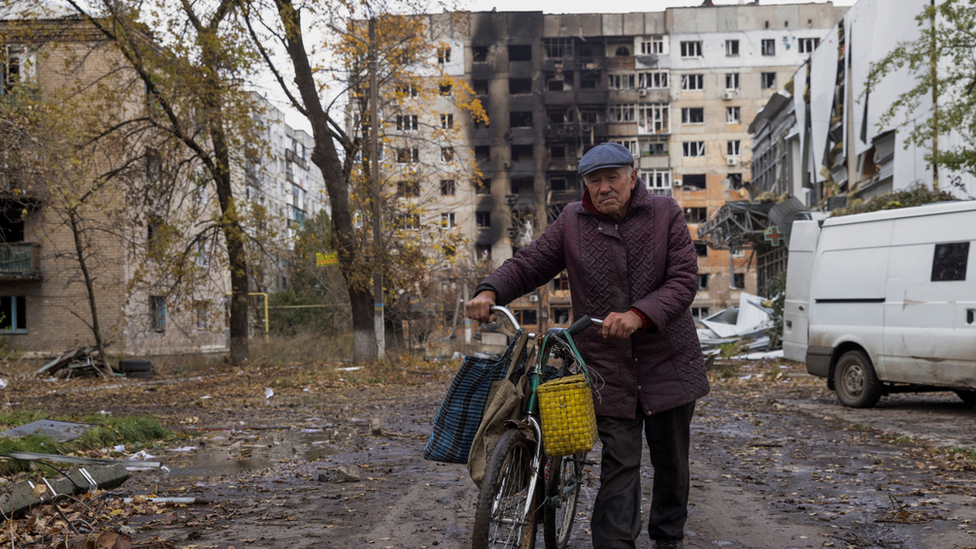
x,y
654,146
701,249
949,262
692,82
482,186
731,48
693,115
622,51
590,81
653,80
696,215
520,53
622,81
447,121
522,185
703,280
447,154
658,181
558,47
479,54
447,221
558,184
731,81
519,86
769,80
699,312
482,252
558,115
13,314
622,113
482,219
520,119
409,222
521,153
733,115
480,87
691,149
443,55
694,182
733,147
560,315
739,280
653,118
482,153
526,317
557,152
769,46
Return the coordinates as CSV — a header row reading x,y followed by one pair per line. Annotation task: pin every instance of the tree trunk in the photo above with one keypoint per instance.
x,y
363,326
326,158
90,290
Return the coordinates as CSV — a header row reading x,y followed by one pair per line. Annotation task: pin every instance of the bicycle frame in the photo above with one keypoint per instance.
x,y
545,343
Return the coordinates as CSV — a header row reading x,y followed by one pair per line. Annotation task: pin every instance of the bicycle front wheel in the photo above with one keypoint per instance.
x,y
562,491
506,511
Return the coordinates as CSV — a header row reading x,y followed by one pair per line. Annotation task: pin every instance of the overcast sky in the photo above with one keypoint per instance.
x,y
617,6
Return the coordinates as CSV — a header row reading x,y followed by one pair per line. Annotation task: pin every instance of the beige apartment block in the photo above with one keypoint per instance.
x,y
43,300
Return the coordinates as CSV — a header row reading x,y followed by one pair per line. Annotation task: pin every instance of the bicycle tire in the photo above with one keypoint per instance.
x,y
562,493
504,497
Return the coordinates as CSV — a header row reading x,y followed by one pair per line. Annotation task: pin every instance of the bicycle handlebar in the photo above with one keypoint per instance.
x,y
583,323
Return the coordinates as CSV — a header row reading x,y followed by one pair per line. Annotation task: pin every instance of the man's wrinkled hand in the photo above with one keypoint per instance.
x,y
620,325
479,308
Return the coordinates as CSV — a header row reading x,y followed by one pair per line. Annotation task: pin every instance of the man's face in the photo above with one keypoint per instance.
x,y
610,189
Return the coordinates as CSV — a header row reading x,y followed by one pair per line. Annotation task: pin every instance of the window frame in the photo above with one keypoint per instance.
x,y
688,79
767,47
765,76
688,147
731,48
692,116
733,115
733,148
18,314
691,49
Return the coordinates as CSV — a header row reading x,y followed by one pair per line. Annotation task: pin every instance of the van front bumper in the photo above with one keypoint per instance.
x,y
818,361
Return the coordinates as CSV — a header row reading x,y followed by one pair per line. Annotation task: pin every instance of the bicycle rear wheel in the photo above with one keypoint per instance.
x,y
506,514
562,492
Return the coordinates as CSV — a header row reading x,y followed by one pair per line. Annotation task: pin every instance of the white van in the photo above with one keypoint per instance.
x,y
885,302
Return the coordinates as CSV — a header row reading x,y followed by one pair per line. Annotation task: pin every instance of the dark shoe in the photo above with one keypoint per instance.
x,y
669,543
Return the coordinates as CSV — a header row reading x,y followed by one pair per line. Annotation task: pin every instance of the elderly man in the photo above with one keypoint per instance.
x,y
630,260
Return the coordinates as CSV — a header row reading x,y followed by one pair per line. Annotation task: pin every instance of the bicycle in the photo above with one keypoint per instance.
x,y
520,482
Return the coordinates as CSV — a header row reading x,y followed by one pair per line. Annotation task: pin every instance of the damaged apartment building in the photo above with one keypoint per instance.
x,y
44,304
678,88
820,141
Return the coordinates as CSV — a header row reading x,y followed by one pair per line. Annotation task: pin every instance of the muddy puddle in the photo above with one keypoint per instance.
x,y
231,451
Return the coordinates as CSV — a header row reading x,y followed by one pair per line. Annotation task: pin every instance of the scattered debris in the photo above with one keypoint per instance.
x,y
375,426
83,361
61,431
24,495
744,326
347,473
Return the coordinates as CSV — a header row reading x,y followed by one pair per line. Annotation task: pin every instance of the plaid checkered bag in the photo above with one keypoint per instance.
x,y
459,416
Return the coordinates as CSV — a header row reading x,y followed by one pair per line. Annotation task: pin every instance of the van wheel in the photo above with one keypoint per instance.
x,y
967,396
856,384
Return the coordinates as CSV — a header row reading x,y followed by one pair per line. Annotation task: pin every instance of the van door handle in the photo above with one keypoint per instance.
x,y
789,323
802,308
970,316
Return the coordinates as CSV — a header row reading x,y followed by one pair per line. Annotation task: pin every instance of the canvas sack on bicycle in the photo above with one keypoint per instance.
x,y
505,402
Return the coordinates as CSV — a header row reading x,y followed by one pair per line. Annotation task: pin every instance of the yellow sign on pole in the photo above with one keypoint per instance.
x,y
327,259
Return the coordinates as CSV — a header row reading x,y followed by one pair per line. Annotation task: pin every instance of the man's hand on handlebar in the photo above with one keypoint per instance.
x,y
479,308
620,325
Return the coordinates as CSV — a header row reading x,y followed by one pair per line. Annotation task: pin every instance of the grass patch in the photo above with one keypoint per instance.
x,y
134,431
957,452
904,440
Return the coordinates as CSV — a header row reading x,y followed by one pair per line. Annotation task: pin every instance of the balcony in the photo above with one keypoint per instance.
x,y
20,261
292,156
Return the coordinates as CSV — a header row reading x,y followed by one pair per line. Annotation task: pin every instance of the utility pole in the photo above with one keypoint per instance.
x,y
374,150
934,65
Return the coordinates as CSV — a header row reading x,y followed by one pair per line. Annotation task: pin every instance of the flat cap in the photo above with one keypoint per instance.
x,y
605,155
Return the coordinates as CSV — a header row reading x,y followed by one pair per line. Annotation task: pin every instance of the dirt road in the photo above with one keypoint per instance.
x,y
776,463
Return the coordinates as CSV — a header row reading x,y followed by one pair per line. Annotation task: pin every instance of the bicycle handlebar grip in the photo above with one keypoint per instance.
x,y
583,323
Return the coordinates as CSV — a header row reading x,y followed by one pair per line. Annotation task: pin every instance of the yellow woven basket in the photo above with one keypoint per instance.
x,y
568,420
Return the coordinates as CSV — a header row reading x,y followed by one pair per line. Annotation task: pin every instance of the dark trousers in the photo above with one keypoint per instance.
x,y
616,513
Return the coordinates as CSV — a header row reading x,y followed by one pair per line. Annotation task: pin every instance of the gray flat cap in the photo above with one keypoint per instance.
x,y
605,155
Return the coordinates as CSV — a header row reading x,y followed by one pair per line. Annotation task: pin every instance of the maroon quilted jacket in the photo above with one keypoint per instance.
x,y
646,261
